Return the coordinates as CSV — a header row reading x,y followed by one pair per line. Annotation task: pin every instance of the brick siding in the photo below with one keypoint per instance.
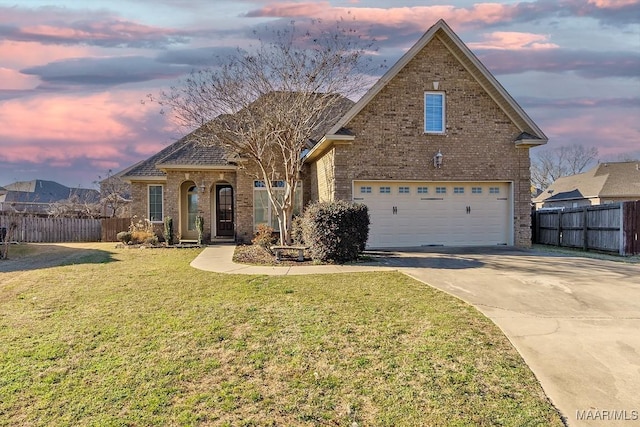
x,y
390,142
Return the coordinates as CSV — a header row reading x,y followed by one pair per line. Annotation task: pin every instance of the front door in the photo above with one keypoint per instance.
x,y
224,211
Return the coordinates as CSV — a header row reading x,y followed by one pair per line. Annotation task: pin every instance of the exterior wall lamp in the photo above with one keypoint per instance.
x,y
437,160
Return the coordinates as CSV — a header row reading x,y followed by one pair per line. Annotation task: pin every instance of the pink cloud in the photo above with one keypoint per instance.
x,y
102,127
51,25
608,130
504,40
613,4
395,16
95,31
13,80
25,54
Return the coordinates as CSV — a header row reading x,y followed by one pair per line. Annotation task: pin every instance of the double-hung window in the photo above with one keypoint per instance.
x,y
155,203
434,112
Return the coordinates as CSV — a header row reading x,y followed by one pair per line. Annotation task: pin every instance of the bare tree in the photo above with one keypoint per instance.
x,y
268,105
76,206
115,195
551,164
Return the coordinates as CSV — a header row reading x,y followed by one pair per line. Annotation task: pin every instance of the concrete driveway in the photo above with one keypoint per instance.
x,y
574,320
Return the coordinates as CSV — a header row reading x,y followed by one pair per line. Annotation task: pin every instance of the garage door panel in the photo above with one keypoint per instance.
x,y
407,217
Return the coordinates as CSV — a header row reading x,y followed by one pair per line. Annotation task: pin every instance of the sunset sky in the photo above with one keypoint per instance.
x,y
73,73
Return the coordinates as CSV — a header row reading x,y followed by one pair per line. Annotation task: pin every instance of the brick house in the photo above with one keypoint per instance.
x,y
437,149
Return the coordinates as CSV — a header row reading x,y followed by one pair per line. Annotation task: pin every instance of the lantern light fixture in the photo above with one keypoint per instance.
x,y
437,160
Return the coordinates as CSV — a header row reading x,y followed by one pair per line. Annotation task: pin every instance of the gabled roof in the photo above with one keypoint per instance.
x,y
611,180
531,133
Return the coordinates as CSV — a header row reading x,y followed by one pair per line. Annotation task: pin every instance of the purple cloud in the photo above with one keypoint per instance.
x,y
588,64
105,71
51,25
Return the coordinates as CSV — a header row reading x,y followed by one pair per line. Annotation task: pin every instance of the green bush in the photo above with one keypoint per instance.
x,y
168,230
336,231
124,237
200,228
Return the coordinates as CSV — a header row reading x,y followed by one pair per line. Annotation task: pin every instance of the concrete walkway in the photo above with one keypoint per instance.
x,y
574,320
218,259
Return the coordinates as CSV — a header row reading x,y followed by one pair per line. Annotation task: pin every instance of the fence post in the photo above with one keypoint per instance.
x,y
585,229
559,228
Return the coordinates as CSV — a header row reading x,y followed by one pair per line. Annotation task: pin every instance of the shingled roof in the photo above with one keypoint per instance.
x,y
187,151
606,180
196,150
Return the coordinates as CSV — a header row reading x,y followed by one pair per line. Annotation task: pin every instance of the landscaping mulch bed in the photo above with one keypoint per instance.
x,y
257,255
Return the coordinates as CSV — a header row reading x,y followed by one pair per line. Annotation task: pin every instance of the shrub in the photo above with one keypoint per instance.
x,y
200,228
336,231
151,240
264,237
138,237
168,230
124,237
142,232
297,237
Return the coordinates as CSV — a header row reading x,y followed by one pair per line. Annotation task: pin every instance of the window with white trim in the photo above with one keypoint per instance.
x,y
434,112
155,203
365,190
403,190
263,210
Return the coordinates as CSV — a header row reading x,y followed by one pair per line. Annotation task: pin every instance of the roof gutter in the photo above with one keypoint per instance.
x,y
325,143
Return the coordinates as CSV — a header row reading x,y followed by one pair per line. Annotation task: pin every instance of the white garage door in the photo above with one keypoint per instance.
x,y
405,214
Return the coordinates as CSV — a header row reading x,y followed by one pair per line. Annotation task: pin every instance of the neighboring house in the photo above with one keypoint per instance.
x,y
605,183
437,149
38,196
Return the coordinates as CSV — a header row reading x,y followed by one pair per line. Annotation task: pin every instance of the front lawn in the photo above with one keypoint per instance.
x,y
138,337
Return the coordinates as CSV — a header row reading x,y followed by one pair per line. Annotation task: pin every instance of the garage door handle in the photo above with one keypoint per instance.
x,y
395,210
468,209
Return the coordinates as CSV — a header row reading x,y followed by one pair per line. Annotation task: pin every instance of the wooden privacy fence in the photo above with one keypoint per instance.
x,y
31,229
609,228
112,226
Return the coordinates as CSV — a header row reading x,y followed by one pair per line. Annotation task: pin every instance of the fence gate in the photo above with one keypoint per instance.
x,y
632,228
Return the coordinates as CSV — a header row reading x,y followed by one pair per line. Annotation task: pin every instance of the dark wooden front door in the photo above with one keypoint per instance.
x,y
224,211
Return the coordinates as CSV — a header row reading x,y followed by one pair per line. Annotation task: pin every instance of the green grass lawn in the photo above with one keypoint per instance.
x,y
137,337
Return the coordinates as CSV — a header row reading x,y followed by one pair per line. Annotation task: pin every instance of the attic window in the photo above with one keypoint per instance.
x,y
434,112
